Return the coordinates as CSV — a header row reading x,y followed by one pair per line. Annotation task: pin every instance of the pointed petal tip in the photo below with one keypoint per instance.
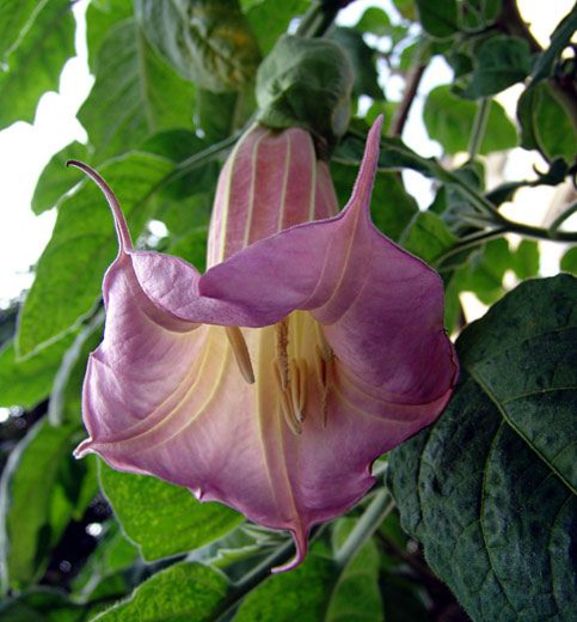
x,y
84,448
300,539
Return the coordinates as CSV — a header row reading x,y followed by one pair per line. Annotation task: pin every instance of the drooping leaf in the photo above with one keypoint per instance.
x,y
182,592
42,488
545,125
69,273
491,488
149,509
34,65
450,118
209,42
392,208
499,62
439,19
25,383
55,181
135,94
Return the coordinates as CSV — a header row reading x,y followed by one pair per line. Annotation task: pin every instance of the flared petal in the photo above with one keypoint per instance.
x,y
344,331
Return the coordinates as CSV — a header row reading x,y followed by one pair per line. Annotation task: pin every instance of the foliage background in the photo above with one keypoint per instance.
x,y
474,517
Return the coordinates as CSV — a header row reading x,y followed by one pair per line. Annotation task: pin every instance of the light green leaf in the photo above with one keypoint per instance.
x,y
182,593
83,244
135,94
499,62
161,518
450,118
375,21
439,19
55,181
34,65
491,488
208,43
42,488
25,383
427,236
15,20
269,19
101,17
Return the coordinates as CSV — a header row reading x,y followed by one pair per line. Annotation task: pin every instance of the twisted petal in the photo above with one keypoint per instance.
x,y
360,357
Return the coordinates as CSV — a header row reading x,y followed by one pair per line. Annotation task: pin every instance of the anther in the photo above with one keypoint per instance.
x,y
282,330
241,354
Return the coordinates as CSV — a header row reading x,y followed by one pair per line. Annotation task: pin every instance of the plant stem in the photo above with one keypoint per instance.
x,y
554,226
411,87
379,508
470,241
479,126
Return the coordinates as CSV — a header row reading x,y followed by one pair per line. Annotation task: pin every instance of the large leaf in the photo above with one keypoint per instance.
x,y
25,383
269,19
207,41
100,18
34,65
161,518
83,244
183,592
449,119
427,236
15,19
135,94
42,488
491,488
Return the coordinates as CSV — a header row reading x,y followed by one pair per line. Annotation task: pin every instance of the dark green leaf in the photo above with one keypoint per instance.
x,y
25,383
269,19
427,236
163,519
182,593
486,269
478,14
42,488
55,181
192,247
545,125
450,118
208,42
392,208
439,19
42,605
83,244
499,62
135,94
560,39
526,259
101,16
363,60
34,66
491,488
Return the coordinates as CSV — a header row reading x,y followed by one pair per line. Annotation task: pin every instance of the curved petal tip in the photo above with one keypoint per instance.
x,y
84,448
301,545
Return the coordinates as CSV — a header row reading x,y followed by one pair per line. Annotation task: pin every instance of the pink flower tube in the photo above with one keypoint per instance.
x,y
312,345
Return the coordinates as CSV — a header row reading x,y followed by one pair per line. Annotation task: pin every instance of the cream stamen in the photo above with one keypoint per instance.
x,y
241,353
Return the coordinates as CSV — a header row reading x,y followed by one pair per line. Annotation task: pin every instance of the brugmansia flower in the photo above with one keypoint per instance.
x,y
311,345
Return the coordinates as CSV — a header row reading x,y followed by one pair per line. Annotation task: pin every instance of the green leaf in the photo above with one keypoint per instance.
x,y
26,383
42,605
439,19
34,65
498,62
101,16
269,19
449,119
192,247
526,259
427,236
83,244
569,261
478,14
55,181
560,39
42,488
184,592
486,268
15,20
135,94
491,488
545,125
163,519
392,208
375,21
319,591
209,42
363,60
